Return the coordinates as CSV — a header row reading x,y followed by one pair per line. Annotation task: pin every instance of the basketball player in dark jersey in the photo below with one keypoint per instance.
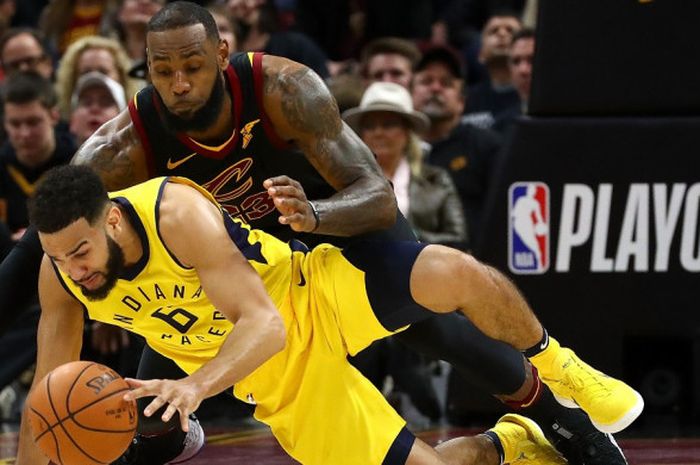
x,y
246,131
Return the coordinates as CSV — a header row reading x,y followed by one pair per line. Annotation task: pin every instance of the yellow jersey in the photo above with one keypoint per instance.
x,y
320,408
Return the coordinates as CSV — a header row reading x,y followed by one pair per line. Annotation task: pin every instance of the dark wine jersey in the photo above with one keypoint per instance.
x,y
234,170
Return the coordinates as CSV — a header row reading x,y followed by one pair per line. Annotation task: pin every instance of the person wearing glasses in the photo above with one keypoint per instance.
x,y
24,49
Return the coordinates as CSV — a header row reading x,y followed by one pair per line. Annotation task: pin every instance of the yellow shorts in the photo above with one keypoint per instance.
x,y
320,408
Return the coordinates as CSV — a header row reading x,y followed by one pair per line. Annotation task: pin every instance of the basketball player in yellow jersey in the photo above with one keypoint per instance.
x,y
238,307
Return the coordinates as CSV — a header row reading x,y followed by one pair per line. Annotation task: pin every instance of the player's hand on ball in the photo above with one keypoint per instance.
x,y
178,395
290,200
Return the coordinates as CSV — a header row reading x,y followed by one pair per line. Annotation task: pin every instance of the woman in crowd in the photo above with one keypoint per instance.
x,y
388,124
88,54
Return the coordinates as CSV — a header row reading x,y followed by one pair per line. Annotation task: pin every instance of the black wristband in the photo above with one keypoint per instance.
x,y
316,217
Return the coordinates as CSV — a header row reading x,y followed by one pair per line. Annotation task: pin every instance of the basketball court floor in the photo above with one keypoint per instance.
x,y
256,446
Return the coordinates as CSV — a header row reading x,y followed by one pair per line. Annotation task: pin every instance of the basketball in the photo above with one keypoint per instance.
x,y
78,415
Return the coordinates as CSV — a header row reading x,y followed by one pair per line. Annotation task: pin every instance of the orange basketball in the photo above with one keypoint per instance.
x,y
78,415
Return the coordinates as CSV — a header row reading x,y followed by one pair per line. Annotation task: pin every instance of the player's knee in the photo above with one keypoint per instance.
x,y
471,274
461,265
441,276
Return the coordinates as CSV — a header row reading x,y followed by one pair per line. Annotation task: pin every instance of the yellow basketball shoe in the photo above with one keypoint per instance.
x,y
524,443
611,404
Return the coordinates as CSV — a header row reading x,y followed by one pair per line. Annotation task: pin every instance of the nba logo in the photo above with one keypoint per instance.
x,y
528,227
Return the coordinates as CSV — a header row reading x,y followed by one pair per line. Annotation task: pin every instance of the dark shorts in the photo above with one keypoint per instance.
x,y
387,266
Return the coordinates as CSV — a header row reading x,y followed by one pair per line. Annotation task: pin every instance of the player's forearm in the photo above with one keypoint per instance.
x,y
363,206
253,341
303,111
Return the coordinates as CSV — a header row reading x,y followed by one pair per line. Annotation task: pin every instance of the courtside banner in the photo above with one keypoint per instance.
x,y
597,221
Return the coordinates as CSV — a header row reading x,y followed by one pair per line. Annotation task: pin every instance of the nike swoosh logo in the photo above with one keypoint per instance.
x,y
302,281
171,165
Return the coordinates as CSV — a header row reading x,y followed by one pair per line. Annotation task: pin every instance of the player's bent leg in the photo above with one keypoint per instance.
x,y
441,280
493,366
611,404
444,279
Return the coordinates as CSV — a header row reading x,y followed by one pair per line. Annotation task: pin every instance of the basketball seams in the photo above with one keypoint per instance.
x,y
77,446
50,397
61,422
41,415
55,413
73,414
70,415
74,383
55,442
75,438
49,425
53,436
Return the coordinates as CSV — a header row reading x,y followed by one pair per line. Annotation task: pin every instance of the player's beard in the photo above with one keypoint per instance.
x,y
114,268
201,119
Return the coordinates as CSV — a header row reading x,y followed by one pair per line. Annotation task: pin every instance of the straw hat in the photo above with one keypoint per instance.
x,y
386,96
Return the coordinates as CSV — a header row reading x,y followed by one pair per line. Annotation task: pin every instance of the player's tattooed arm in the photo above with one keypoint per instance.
x,y
304,112
116,153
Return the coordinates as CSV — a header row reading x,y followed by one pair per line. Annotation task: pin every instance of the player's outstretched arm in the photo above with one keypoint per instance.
x,y
192,227
59,341
116,153
303,111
